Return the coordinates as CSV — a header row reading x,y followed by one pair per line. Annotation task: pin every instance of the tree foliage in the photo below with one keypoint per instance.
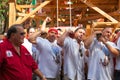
x,y
4,10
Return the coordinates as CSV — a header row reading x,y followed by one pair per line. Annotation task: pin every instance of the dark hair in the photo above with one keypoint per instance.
x,y
13,29
78,29
116,31
29,29
59,29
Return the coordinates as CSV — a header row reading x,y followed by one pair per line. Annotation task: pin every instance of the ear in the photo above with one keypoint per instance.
x,y
12,35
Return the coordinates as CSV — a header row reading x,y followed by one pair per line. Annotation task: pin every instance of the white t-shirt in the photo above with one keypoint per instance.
x,y
49,54
73,61
28,45
117,66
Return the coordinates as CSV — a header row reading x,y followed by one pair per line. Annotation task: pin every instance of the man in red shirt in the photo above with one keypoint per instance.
x,y
16,63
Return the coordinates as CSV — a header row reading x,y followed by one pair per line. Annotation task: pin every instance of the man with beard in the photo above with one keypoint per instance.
x,y
49,53
74,54
101,52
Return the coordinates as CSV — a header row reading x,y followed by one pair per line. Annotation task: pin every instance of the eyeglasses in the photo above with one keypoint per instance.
x,y
80,51
22,33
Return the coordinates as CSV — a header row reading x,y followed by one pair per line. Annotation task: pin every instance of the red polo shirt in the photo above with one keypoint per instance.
x,y
14,66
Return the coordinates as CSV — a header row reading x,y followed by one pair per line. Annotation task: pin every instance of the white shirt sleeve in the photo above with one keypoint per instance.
x,y
118,43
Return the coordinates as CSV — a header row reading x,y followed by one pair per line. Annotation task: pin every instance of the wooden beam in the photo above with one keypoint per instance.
x,y
84,19
98,29
119,4
64,6
88,30
26,6
104,24
23,15
99,10
12,13
18,8
18,19
34,11
32,16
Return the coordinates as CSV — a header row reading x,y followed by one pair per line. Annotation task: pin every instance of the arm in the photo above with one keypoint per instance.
x,y
44,23
113,50
88,41
41,76
33,37
60,40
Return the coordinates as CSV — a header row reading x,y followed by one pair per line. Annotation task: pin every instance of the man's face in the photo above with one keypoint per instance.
x,y
79,34
19,36
52,35
107,33
31,31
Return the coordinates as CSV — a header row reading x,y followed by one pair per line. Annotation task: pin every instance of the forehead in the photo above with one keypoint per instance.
x,y
107,29
81,30
20,29
32,30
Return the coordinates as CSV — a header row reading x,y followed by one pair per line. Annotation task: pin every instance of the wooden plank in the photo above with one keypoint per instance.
x,y
23,14
18,19
12,13
64,6
34,11
104,24
26,6
98,16
18,8
32,16
119,5
88,30
99,10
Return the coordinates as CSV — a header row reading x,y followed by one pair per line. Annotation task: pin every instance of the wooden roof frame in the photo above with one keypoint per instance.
x,y
23,16
12,12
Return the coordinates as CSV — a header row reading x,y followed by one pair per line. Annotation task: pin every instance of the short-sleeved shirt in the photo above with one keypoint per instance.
x,y
14,66
73,60
48,56
28,45
98,52
117,67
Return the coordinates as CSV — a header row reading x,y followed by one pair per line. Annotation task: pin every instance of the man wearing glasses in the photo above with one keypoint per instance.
x,y
16,63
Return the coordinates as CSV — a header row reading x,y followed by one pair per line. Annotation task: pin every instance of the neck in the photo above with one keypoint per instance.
x,y
79,41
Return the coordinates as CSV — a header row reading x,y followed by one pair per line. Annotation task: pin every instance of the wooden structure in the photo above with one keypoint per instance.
x,y
86,12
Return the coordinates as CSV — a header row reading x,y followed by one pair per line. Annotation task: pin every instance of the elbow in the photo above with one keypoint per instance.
x,y
117,52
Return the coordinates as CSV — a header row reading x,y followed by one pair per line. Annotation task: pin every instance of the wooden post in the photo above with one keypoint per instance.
x,y
12,12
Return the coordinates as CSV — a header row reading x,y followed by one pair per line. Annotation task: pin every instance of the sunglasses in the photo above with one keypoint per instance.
x,y
22,33
80,51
